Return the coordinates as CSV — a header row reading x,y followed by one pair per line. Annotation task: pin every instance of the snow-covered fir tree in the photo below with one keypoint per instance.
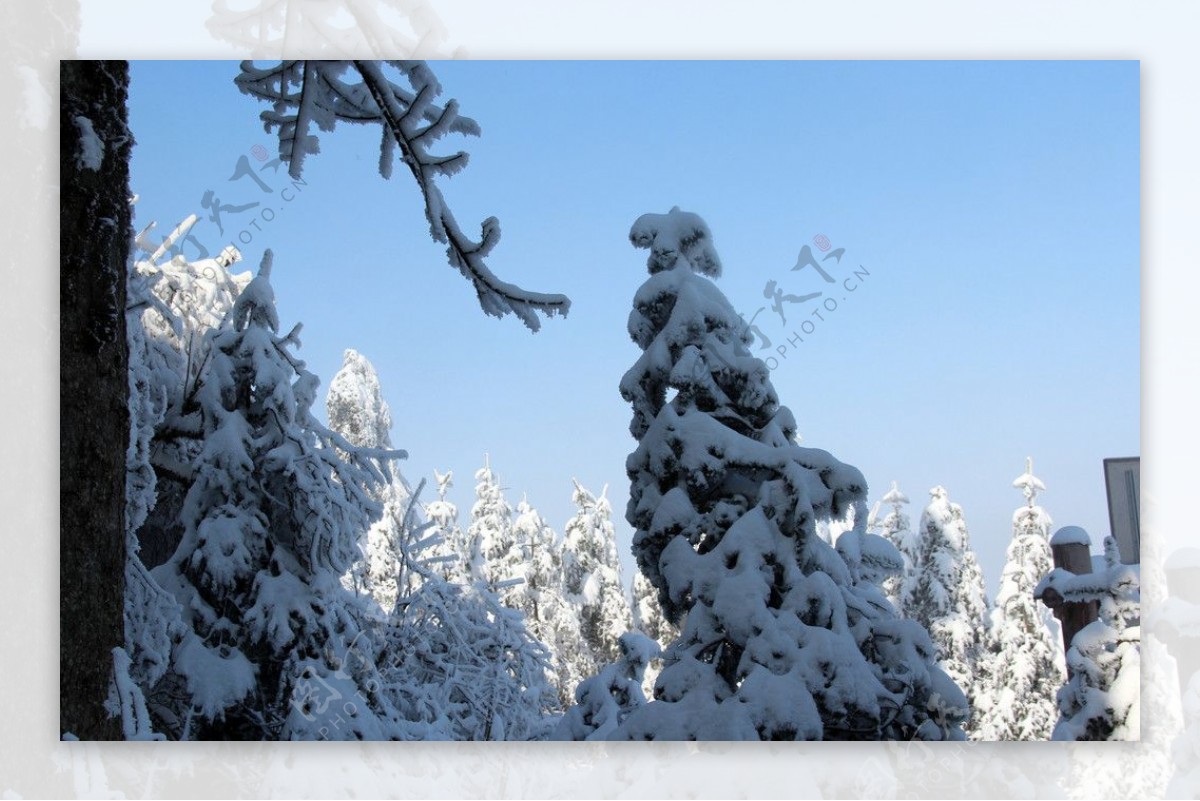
x,y
549,615
450,556
780,638
948,597
1102,697
895,528
1025,665
356,410
593,574
271,517
171,308
492,556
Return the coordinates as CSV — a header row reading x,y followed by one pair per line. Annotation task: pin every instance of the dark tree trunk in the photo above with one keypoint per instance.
x,y
94,238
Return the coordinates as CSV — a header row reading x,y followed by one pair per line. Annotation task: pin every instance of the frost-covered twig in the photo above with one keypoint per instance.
x,y
310,93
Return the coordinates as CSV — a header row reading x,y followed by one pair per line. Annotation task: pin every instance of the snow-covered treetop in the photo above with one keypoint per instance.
x,y
1028,483
672,235
895,497
444,482
309,95
356,406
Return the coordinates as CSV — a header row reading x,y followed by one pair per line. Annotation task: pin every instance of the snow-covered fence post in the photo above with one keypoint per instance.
x,y
1071,549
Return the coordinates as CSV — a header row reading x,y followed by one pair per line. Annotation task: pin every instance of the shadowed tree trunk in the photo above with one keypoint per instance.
x,y
94,237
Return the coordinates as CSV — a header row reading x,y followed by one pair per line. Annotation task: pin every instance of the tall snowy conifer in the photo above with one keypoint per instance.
x,y
358,412
895,529
780,639
492,557
593,574
948,597
549,615
271,518
1025,664
452,552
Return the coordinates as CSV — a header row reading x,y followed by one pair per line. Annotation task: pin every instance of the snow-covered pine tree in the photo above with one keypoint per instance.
x,y
271,518
1025,665
357,411
492,557
778,640
549,615
171,308
1102,697
593,574
314,94
895,528
948,597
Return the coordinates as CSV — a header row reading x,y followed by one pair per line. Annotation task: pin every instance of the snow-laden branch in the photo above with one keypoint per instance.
x,y
312,94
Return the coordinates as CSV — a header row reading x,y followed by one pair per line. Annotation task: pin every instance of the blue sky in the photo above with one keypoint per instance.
x,y
994,207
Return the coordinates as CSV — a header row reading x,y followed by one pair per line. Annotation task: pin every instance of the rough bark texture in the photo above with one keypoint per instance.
x,y
94,237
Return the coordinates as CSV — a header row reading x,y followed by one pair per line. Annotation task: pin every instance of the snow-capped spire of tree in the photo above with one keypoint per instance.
x,y
355,404
895,528
451,557
271,521
1029,484
310,95
948,596
779,639
1025,663
491,557
592,573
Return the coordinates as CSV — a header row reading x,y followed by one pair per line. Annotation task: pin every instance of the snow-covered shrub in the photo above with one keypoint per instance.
x,y
604,701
